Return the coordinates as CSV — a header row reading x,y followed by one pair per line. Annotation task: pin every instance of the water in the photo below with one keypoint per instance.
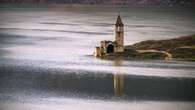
x,y
46,62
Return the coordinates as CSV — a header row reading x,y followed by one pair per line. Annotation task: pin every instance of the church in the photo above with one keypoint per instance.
x,y
110,47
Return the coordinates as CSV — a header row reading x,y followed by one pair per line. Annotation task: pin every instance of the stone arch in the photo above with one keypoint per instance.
x,y
110,48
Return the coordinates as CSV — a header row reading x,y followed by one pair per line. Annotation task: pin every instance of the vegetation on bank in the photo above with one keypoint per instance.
x,y
131,54
182,48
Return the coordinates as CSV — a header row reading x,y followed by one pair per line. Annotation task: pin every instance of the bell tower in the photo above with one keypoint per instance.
x,y
119,35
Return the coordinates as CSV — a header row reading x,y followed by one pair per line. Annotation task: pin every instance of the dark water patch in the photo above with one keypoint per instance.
x,y
100,24
94,84
51,30
157,88
54,39
7,40
3,52
55,23
143,26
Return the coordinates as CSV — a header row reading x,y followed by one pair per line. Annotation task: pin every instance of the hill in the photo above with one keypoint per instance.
x,y
181,48
112,2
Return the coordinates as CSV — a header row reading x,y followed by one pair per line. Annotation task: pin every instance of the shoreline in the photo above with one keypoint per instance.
x,y
176,49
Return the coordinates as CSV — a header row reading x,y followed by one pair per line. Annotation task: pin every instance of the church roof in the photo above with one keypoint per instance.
x,y
119,21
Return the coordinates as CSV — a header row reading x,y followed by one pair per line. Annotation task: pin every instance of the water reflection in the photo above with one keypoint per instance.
x,y
118,84
118,79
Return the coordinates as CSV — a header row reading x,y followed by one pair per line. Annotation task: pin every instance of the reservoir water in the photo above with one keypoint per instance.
x,y
46,62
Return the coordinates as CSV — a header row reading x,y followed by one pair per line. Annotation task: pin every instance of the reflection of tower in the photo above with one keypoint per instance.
x,y
118,79
118,84
119,35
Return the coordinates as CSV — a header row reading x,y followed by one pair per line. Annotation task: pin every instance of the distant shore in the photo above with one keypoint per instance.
x,y
62,6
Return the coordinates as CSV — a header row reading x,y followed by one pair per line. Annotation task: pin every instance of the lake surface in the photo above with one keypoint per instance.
x,y
46,62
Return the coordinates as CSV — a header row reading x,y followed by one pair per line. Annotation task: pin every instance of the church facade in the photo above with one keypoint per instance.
x,y
109,47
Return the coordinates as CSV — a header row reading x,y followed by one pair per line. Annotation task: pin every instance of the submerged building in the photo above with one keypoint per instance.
x,y
110,47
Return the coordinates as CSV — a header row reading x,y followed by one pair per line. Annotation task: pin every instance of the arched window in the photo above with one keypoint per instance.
x,y
110,48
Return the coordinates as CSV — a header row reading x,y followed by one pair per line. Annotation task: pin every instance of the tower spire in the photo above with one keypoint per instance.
x,y
119,21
